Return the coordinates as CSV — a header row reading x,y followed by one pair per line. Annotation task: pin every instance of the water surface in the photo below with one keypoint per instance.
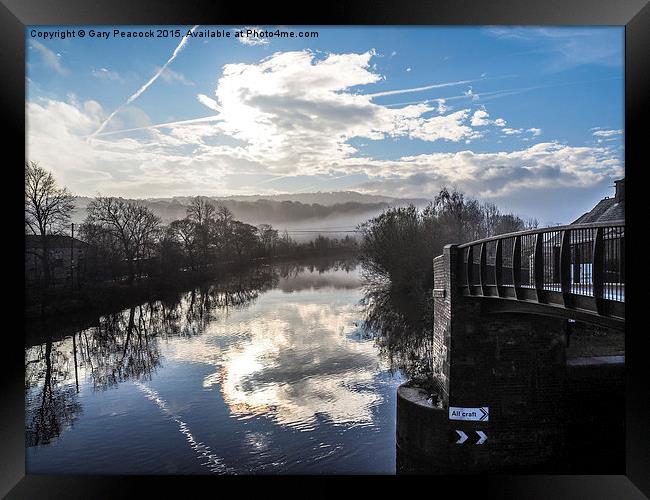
x,y
269,373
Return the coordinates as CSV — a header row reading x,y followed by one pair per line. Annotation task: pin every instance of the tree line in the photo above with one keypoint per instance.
x,y
396,252
398,246
126,240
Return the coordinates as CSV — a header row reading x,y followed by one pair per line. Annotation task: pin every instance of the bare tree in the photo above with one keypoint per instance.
x,y
104,252
202,213
201,210
268,238
184,231
133,225
47,209
146,231
221,232
224,215
244,238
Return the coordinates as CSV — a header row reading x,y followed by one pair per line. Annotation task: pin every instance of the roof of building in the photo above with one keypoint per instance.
x,y
607,209
54,241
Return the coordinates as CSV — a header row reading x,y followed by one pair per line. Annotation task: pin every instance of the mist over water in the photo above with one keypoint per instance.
x,y
302,215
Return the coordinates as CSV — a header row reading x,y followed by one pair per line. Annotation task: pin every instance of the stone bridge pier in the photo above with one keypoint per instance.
x,y
511,364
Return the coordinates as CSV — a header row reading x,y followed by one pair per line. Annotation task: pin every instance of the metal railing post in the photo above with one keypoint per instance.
x,y
516,266
470,269
538,267
575,266
498,266
482,268
565,267
597,268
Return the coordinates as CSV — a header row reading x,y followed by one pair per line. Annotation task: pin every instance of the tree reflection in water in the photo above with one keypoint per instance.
x,y
51,402
122,346
403,329
293,269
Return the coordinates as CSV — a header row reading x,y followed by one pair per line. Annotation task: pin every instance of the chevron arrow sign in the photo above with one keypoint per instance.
x,y
477,414
469,437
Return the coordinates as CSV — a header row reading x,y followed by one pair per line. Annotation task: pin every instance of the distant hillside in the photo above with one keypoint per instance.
x,y
333,198
338,209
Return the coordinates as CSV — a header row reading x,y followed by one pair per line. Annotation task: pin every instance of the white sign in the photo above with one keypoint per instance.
x,y
476,414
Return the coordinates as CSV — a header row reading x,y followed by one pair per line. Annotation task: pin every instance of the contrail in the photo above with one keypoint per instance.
x,y
146,85
504,92
419,89
437,86
213,118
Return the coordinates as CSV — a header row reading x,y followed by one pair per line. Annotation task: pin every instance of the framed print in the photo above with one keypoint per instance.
x,y
385,240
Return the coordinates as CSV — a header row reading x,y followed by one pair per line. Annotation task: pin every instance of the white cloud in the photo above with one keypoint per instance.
x,y
170,76
569,46
291,114
480,118
449,127
49,57
408,69
607,133
107,74
251,39
535,131
470,93
208,102
150,163
493,175
512,131
295,111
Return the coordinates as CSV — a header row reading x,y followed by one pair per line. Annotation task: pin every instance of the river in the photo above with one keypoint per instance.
x,y
270,373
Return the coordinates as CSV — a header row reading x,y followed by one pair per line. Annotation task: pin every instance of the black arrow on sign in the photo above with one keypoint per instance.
x,y
485,414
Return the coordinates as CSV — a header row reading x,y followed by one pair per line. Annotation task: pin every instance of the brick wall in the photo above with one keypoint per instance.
x,y
514,364
441,326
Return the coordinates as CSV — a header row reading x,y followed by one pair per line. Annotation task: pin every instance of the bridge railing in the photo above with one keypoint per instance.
x,y
579,266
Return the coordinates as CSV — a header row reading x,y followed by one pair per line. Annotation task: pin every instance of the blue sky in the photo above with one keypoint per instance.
x,y
530,118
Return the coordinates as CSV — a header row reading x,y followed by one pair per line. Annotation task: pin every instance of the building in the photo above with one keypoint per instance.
x,y
66,256
607,209
581,246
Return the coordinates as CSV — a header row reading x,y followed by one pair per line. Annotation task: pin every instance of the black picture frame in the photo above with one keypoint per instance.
x,y
15,15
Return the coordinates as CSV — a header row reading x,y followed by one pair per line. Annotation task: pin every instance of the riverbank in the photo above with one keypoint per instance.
x,y
68,312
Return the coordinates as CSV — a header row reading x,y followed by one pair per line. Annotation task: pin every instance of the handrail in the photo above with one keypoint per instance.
x,y
591,225
574,267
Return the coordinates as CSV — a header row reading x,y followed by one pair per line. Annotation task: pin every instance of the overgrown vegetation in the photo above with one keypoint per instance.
x,y
398,246
396,253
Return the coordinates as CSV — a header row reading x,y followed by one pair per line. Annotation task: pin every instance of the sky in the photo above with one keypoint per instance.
x,y
529,118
